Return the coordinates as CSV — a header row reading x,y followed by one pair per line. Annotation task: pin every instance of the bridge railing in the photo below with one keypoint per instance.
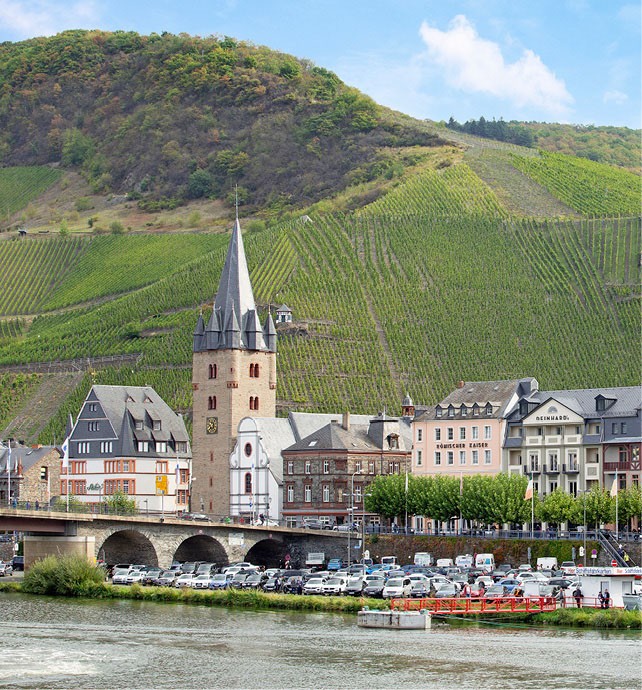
x,y
464,605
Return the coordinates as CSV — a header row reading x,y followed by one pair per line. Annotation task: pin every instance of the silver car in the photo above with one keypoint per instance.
x,y
201,581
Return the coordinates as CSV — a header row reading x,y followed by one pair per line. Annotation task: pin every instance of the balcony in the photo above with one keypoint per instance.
x,y
571,468
552,469
573,440
534,440
553,440
617,466
531,469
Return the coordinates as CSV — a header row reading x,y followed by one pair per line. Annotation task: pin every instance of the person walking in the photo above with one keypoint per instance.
x,y
600,598
606,599
577,595
299,586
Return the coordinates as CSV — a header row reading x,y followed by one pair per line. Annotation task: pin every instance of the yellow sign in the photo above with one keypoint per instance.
x,y
161,484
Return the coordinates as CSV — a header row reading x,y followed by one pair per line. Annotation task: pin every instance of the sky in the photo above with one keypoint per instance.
x,y
575,61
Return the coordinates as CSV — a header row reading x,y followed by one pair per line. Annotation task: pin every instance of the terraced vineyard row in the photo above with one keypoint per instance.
x,y
10,329
590,188
21,184
133,261
32,268
14,388
268,278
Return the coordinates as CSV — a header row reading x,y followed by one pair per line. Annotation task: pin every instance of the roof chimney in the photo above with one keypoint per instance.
x,y
345,421
460,384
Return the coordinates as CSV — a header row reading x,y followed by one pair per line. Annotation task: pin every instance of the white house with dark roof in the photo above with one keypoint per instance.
x,y
126,438
284,314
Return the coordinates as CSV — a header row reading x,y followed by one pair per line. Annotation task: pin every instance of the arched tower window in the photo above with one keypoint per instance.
x,y
213,371
254,402
211,402
248,483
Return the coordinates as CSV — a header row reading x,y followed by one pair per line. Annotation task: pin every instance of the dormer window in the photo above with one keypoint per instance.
x,y
602,403
157,425
438,411
475,411
489,410
139,424
464,411
393,441
451,411
523,407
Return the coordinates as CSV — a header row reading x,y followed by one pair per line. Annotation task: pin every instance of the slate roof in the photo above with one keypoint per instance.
x,y
333,436
24,455
498,393
234,323
276,434
582,401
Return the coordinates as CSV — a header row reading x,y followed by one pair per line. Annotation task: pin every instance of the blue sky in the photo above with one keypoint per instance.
x,y
556,61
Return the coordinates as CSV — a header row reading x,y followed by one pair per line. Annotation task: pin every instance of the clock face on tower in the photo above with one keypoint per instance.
x,y
211,425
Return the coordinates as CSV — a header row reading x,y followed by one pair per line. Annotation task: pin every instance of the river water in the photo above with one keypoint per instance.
x,y
57,643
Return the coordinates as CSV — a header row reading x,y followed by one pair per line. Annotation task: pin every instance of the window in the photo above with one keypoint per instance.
x,y
600,404
143,446
254,403
290,493
475,457
572,488
307,493
125,486
623,454
211,402
371,467
161,446
462,433
464,410
44,473
419,459
419,434
437,457
93,426
475,411
254,371
290,467
475,433
578,430
438,434
326,467
552,460
248,449
572,461
91,407
357,493
181,497
357,466
451,433
489,410
211,456
451,411
487,457
462,457
83,448
77,467
623,428
393,468
614,428
157,425
326,493
125,466
451,457
213,371
139,425
308,467
487,432
161,467
181,446
184,476
438,411
248,483
552,487
106,446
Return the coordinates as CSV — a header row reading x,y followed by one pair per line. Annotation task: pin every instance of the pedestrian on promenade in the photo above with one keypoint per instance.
x,y
606,599
577,595
37,505
299,586
600,598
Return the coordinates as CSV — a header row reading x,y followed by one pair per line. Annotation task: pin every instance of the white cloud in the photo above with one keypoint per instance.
x,y
28,18
615,96
476,65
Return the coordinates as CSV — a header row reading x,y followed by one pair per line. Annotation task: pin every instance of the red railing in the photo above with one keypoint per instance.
x,y
468,605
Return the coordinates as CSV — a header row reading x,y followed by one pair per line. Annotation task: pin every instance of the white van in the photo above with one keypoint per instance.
x,y
547,564
445,563
465,561
388,560
422,558
486,561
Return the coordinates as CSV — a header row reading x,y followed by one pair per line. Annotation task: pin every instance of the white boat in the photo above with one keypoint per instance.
x,y
632,602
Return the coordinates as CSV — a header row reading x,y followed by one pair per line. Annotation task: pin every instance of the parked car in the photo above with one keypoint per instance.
x,y
196,516
18,563
119,576
314,585
355,585
188,568
220,581
151,575
448,591
495,592
335,586
254,580
311,523
201,581
420,589
334,564
238,580
397,587
374,587
135,577
166,578
561,582
510,583
291,584
184,580
569,568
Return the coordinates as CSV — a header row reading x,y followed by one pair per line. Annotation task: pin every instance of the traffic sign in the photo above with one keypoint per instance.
x,y
614,563
161,484
581,550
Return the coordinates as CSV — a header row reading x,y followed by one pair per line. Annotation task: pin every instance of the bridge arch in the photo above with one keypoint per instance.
x,y
128,546
268,552
203,548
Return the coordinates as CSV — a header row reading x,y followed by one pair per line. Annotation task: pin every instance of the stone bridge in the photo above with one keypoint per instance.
x,y
159,541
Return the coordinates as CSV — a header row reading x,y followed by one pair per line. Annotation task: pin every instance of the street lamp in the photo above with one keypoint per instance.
x,y
351,511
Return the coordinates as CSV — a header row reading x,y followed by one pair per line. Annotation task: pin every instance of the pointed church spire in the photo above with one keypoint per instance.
x,y
199,332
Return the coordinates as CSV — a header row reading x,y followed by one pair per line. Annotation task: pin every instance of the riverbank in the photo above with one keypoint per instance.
x,y
234,598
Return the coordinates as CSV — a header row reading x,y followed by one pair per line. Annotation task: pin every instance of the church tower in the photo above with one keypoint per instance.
x,y
233,376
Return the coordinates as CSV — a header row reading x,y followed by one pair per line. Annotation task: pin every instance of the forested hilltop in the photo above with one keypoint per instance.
x,y
168,118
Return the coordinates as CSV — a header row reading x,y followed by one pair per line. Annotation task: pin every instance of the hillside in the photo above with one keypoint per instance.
x,y
408,267
170,118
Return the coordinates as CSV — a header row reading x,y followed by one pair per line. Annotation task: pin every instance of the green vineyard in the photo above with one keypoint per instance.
x,y
590,188
31,269
21,184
